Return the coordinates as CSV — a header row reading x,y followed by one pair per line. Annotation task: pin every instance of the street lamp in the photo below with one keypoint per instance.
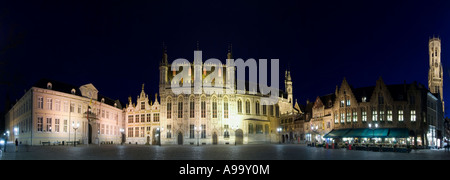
x,y
279,132
6,140
75,128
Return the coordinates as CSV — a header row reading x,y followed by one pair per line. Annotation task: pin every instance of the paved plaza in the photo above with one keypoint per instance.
x,y
209,152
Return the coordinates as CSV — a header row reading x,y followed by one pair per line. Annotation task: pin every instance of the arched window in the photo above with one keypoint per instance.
x,y
214,107
225,108
169,108
203,108
192,107
239,106
180,107
257,107
247,107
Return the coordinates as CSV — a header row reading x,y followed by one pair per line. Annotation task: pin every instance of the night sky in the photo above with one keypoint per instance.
x,y
117,45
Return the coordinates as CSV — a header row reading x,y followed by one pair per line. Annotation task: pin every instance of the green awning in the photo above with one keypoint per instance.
x,y
381,133
337,133
361,133
399,133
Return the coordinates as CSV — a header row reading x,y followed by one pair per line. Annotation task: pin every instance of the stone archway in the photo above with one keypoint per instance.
x,y
214,139
239,136
180,138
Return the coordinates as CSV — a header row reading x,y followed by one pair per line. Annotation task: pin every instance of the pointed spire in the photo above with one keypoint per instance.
x,y
230,51
164,61
143,84
156,98
198,46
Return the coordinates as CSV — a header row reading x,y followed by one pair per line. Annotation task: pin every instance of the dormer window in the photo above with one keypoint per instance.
x,y
115,104
73,91
49,85
364,99
103,100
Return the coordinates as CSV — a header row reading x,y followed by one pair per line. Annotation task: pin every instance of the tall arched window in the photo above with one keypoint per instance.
x,y
203,107
247,107
169,108
239,106
214,107
257,107
180,107
192,107
225,108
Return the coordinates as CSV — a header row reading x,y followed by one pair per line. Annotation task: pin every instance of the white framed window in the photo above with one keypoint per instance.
x,y
130,119
66,106
49,103
156,117
381,115
40,103
49,125
342,117
400,115
364,115
65,125
355,116
40,124
389,115
57,125
374,115
149,118
57,105
79,109
413,116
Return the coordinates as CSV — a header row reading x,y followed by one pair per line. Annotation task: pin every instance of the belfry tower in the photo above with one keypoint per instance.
x,y
435,74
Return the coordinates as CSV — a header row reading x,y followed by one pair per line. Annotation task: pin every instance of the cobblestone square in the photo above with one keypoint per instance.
x,y
209,152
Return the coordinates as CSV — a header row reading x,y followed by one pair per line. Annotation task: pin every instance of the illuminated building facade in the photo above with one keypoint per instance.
x,y
52,112
237,118
143,120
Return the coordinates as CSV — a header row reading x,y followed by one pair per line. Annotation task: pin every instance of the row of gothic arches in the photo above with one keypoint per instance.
x,y
215,140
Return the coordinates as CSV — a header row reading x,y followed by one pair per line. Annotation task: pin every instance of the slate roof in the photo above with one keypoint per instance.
x,y
67,88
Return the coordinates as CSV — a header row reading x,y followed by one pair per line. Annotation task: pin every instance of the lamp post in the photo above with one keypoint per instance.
x,y
6,140
75,128
279,133
373,128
